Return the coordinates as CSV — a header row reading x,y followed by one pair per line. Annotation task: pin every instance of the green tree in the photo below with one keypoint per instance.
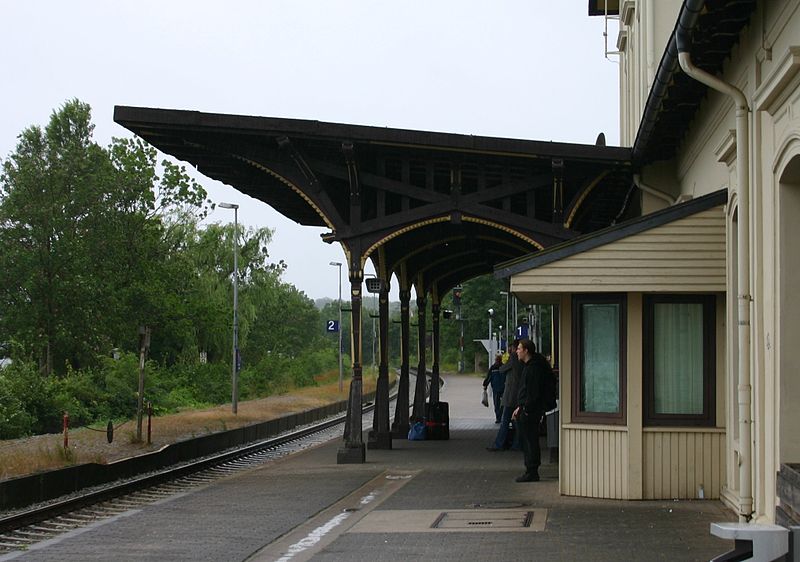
x,y
95,242
85,241
478,295
48,186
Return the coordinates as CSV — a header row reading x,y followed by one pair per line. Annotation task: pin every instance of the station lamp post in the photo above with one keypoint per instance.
x,y
341,366
507,325
235,359
491,338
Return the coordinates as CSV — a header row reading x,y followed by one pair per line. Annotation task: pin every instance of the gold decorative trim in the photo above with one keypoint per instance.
x,y
397,233
507,229
447,218
583,196
288,183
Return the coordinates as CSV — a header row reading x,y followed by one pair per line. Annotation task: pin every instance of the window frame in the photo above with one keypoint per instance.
x,y
606,418
708,417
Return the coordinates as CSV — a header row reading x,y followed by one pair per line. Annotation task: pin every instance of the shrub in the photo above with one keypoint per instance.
x,y
36,397
121,382
15,421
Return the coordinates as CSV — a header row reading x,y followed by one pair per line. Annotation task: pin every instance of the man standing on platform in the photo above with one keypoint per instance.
x,y
530,407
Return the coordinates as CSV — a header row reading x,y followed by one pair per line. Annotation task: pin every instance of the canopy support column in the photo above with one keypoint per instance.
x,y
380,437
353,450
400,426
435,311
418,413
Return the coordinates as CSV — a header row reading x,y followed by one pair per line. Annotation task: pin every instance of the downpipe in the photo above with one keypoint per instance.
x,y
743,270
637,179
686,22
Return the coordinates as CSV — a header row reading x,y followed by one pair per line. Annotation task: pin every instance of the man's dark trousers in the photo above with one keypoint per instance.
x,y
529,430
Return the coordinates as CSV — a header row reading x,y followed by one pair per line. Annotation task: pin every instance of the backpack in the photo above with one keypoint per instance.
x,y
549,386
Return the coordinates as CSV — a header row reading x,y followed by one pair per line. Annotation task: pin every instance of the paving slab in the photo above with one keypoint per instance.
x,y
306,507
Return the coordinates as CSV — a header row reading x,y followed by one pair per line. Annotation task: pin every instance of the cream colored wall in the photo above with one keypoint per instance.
x,y
679,461
705,163
634,395
676,461
788,335
776,123
660,176
686,255
595,460
629,461
598,462
730,491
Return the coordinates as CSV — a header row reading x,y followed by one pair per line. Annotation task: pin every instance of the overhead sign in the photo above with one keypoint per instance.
x,y
374,285
332,326
521,332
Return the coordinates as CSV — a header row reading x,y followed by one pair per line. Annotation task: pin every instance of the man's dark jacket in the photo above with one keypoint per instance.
x,y
531,388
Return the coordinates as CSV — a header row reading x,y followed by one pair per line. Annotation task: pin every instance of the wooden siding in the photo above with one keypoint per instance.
x,y
677,462
685,255
595,461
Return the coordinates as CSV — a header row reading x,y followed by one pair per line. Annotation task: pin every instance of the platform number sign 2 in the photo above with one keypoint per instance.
x,y
332,326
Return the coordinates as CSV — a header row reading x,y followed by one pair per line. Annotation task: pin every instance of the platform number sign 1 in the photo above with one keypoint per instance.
x,y
332,326
521,332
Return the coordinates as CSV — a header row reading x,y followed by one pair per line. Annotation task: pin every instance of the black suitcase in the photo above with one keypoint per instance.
x,y
509,438
437,421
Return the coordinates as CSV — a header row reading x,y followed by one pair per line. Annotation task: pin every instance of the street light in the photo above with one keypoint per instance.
x,y
507,326
235,359
341,366
491,337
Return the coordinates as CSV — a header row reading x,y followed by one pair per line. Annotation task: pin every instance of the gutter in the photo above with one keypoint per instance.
x,y
663,78
688,19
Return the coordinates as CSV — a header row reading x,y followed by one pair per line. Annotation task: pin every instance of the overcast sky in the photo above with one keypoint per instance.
x,y
529,69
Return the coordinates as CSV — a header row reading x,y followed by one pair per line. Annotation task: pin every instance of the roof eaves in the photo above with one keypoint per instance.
x,y
140,117
670,82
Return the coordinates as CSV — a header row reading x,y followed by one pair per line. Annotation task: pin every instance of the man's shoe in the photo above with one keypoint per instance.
x,y
528,477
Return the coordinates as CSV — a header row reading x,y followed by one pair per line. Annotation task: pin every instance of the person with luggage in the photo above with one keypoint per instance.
x,y
498,381
512,369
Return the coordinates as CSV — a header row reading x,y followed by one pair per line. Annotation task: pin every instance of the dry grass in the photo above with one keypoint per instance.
x,y
43,452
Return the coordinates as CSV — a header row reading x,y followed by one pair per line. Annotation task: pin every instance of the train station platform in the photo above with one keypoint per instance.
x,y
422,500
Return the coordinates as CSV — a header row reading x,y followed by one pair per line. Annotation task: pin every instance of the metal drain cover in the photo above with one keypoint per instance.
x,y
485,519
497,505
453,521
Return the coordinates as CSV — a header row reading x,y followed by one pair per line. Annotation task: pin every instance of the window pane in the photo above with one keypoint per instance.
x,y
600,368
678,358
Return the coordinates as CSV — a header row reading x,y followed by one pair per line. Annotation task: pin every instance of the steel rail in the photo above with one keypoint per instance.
x,y
28,521
56,508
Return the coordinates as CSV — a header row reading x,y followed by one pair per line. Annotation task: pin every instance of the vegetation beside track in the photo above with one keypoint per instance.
x,y
44,452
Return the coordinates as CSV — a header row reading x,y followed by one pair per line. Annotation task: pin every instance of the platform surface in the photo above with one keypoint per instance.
x,y
422,500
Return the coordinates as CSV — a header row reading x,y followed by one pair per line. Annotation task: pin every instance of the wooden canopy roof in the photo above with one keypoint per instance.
x,y
434,208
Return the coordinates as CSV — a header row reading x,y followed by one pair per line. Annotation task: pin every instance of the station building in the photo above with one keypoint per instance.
x,y
678,329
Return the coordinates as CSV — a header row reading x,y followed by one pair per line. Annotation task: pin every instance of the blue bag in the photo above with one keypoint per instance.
x,y
417,432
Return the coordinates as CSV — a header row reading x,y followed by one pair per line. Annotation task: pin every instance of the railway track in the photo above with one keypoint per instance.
x,y
22,529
